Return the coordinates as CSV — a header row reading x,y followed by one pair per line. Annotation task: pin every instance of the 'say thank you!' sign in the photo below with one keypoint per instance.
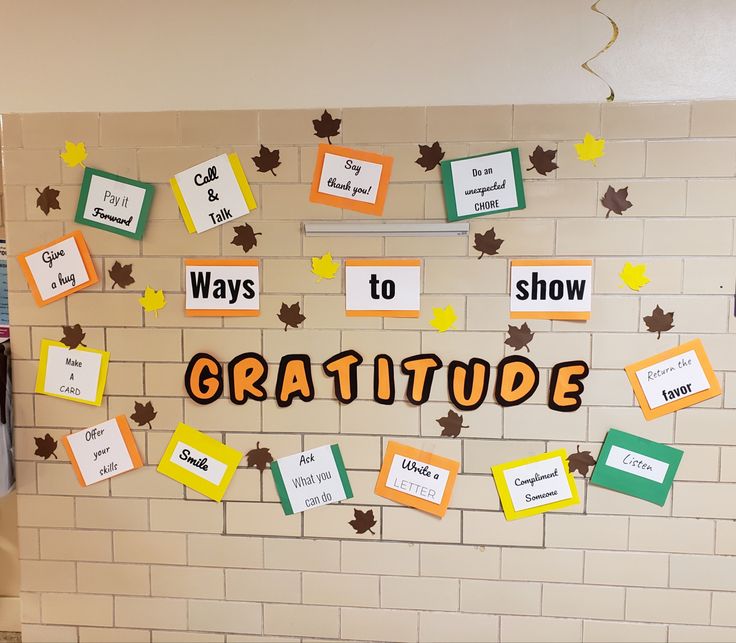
x,y
222,287
482,184
382,287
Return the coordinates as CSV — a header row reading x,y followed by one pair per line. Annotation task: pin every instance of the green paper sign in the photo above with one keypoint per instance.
x,y
637,467
114,203
482,184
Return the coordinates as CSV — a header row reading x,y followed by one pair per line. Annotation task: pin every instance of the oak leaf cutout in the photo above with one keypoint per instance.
x,y
144,414
487,243
73,336
580,462
46,447
258,457
121,275
633,276
451,424
48,200
245,237
76,154
325,126
543,161
430,156
444,318
152,300
616,200
267,160
519,337
324,267
363,521
659,321
290,315
591,149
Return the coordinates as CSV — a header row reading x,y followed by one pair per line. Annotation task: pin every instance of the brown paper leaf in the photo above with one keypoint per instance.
x,y
616,200
451,424
486,243
519,337
121,275
73,336
430,156
267,160
363,521
580,461
543,161
258,457
46,447
48,200
659,321
245,237
325,126
144,414
290,315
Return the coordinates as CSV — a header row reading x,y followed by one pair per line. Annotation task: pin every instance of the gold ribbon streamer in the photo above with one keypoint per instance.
x,y
614,36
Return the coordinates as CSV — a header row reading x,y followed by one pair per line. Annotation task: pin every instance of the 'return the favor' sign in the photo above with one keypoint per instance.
x,y
382,287
222,287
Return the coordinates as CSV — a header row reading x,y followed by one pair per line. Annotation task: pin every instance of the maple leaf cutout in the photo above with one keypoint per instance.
x,y
543,161
121,275
152,300
519,337
144,414
245,237
46,447
443,318
290,315
659,321
325,126
363,521
430,156
75,154
73,336
591,149
451,424
258,457
324,267
580,462
267,160
633,276
486,243
616,200
48,200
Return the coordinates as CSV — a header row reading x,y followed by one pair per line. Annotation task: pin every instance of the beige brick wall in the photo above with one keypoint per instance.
x,y
140,558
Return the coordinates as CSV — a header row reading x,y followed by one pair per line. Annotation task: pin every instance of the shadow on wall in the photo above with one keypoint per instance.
x,y
9,583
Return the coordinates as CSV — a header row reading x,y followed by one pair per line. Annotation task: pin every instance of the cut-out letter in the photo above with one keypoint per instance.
x,y
247,372
468,383
294,380
343,368
516,380
565,386
420,369
203,379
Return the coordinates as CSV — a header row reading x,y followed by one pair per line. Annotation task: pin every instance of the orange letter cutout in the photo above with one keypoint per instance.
x,y
516,380
247,373
203,379
294,380
343,367
565,386
384,388
468,392
420,369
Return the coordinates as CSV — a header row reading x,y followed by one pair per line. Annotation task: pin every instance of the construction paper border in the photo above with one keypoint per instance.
x,y
383,262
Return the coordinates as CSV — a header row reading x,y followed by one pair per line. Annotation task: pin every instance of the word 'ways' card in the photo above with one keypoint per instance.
x,y
76,374
311,478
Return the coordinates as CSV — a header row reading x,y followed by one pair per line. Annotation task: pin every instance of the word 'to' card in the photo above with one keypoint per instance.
x,y
382,287
76,374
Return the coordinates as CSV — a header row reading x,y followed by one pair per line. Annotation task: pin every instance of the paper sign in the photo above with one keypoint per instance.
x,y
351,179
199,462
102,451
673,380
534,485
76,374
551,289
59,268
417,478
114,203
637,467
482,184
382,288
213,193
311,479
222,287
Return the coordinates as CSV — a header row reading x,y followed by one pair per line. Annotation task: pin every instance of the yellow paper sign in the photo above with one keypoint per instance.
x,y
76,374
199,462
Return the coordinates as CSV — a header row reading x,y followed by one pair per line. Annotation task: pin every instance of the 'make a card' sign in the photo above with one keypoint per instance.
x,y
417,478
76,374
382,288
213,193
673,380
551,289
222,287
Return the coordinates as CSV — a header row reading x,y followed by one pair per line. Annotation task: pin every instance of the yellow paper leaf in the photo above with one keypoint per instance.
x,y
444,318
75,154
324,267
591,148
152,300
633,276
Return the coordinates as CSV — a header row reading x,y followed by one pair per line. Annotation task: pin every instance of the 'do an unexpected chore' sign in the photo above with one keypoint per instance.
x,y
382,287
222,287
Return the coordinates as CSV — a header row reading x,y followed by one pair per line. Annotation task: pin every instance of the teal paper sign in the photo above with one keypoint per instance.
x,y
637,467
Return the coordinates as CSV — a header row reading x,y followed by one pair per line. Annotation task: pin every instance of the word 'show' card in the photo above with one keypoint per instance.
x,y
76,374
102,451
551,289
222,287
351,179
213,193
482,184
636,466
199,462
382,287
673,380
417,478
114,203
59,268
531,486
311,479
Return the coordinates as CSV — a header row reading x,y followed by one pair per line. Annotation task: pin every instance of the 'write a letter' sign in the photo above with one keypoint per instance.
x,y
213,193
382,287
551,288
222,287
